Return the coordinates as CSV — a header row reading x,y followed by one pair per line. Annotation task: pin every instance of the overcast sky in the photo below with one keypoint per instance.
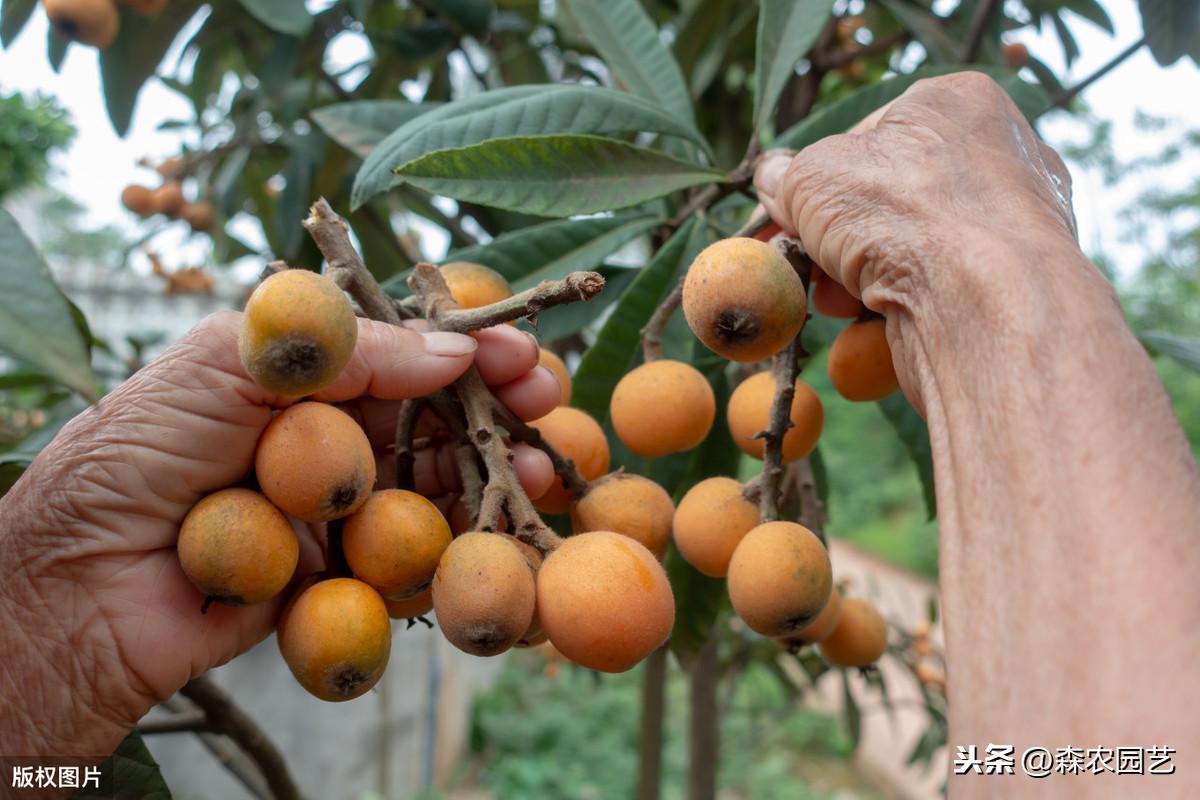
x,y
100,163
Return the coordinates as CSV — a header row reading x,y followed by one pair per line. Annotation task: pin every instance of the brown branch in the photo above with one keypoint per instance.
x,y
881,45
529,303
503,491
650,737
1065,98
564,467
406,422
226,718
984,11
344,265
784,369
191,721
652,331
812,510
451,413
226,753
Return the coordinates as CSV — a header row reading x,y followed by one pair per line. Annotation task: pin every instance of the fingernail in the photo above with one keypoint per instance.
x,y
769,175
445,343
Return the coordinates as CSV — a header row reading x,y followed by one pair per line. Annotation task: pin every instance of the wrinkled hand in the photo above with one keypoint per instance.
x,y
917,185
99,621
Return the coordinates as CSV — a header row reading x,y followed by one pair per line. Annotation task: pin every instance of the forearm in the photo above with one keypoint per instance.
x,y
1069,507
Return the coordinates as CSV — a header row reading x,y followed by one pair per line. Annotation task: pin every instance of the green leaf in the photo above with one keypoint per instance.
x,y
1091,11
516,111
286,16
554,176
1069,46
13,16
136,54
927,27
56,48
546,251
628,41
787,30
1172,29
360,125
551,250
470,15
132,772
1182,349
915,437
840,116
36,326
563,321
616,346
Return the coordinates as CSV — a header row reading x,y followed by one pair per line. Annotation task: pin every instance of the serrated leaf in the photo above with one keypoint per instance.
x,y
290,17
13,16
515,111
616,346
927,27
136,54
845,113
360,125
1172,29
554,176
787,30
628,41
36,326
915,437
1182,349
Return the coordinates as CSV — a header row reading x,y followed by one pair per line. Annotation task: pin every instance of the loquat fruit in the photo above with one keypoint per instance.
x,y
474,285
314,462
237,548
749,412
393,542
418,605
710,521
336,637
743,299
630,505
90,22
860,362
578,437
820,628
604,601
859,638
298,333
484,593
779,578
642,395
138,199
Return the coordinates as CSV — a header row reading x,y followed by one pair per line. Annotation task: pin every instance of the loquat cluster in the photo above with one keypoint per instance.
x,y
170,199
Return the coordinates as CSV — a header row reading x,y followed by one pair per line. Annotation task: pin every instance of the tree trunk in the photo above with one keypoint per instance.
x,y
654,706
705,733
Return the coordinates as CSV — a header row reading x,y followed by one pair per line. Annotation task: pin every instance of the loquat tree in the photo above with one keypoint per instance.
x,y
590,166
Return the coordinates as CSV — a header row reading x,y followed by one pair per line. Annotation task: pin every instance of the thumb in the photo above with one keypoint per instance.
x,y
395,363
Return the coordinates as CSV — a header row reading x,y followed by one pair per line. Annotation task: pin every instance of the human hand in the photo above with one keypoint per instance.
x,y
100,621
926,204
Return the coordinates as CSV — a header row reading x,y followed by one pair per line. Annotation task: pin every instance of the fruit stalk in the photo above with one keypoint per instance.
x,y
502,491
332,237
529,303
784,368
406,421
